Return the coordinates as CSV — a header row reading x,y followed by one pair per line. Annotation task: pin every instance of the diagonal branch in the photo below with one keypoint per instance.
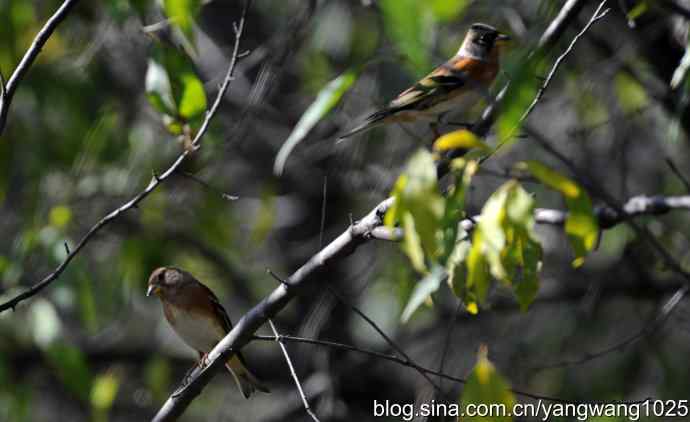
x,y
155,182
29,57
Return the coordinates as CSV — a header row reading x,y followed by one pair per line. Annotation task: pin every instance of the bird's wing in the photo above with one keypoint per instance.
x,y
218,309
446,78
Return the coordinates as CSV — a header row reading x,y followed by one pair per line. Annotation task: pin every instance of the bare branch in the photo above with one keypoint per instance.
x,y
278,339
29,57
156,181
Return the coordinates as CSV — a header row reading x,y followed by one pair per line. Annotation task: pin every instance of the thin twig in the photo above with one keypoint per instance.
x,y
208,186
279,340
403,362
598,14
449,334
156,181
383,335
678,174
661,316
29,57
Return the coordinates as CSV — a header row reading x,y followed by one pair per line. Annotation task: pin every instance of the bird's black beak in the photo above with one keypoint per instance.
x,y
153,289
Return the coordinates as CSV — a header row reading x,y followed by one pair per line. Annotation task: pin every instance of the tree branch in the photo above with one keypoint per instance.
x,y
155,182
29,57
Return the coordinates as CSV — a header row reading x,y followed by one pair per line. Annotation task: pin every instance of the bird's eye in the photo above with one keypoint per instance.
x,y
161,277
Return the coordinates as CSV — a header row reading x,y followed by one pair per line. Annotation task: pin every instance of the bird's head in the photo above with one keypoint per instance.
x,y
480,41
165,280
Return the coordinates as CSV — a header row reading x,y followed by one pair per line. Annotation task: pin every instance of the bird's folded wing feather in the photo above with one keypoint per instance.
x,y
223,316
444,79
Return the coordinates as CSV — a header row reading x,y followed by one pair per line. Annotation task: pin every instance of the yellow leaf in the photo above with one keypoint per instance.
x,y
462,138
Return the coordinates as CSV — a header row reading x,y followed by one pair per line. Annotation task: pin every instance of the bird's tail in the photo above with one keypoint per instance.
x,y
372,121
246,381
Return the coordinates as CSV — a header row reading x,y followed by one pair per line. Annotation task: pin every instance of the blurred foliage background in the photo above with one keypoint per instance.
x,y
95,117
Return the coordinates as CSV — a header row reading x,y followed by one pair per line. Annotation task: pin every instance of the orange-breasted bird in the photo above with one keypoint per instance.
x,y
197,316
455,85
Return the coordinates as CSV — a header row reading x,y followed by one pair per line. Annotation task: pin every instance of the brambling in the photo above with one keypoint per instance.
x,y
456,84
197,316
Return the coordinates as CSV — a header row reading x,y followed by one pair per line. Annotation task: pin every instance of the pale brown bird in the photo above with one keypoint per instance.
x,y
197,316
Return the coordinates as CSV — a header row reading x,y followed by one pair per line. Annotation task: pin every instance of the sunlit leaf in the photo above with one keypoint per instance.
x,y
412,244
422,291
60,216
455,268
581,225
423,200
328,98
486,386
104,391
182,13
193,98
459,139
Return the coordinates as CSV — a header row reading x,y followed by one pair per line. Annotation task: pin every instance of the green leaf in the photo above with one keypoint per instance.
x,y
422,291
407,24
455,207
60,216
486,386
182,14
159,89
412,244
328,98
581,225
422,198
104,391
455,268
419,207
477,274
193,98
493,236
